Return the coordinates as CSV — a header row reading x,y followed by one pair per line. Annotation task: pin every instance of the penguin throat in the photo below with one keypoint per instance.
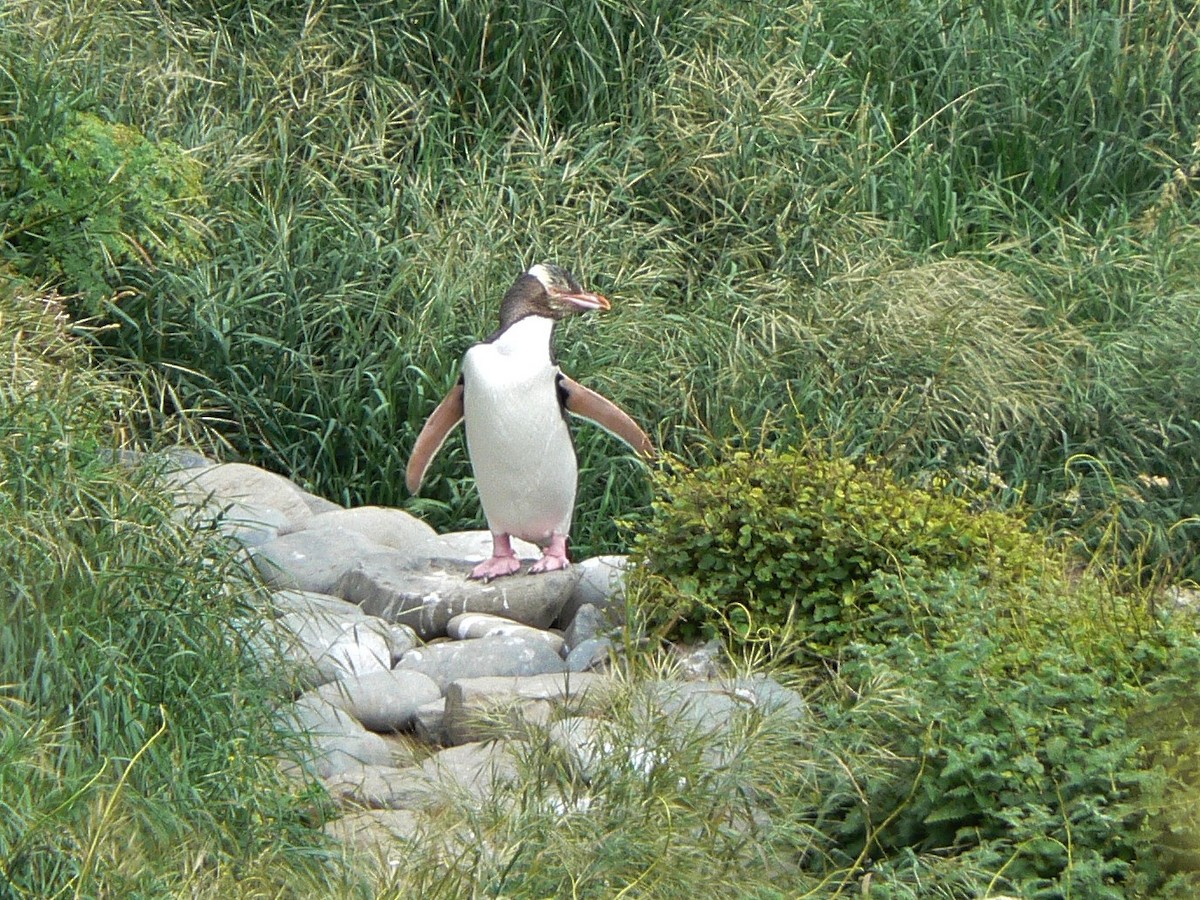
x,y
527,338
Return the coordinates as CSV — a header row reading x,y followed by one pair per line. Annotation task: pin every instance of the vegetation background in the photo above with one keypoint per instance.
x,y
957,239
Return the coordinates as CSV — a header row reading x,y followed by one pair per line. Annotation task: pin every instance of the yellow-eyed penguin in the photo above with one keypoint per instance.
x,y
513,400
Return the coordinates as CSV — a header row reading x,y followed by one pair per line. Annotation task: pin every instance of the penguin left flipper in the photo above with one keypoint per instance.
x,y
437,428
590,405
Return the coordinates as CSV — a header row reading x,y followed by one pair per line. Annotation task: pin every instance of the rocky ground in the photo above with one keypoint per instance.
x,y
422,685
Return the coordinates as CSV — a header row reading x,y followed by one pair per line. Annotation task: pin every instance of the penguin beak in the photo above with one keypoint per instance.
x,y
583,301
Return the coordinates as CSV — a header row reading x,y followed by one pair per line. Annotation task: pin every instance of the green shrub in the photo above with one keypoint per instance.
x,y
1037,779
96,195
762,538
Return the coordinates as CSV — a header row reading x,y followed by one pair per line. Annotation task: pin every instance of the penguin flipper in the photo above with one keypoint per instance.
x,y
587,403
437,428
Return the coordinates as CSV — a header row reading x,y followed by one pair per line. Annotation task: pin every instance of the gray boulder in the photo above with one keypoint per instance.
x,y
475,546
427,594
391,528
311,560
328,638
479,625
339,741
215,487
482,708
383,700
478,657
602,584
593,654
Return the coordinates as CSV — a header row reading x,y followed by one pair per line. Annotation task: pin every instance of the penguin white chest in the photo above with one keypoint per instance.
x,y
520,448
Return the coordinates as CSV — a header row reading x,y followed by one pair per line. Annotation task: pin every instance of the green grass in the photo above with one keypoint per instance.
x,y
138,750
937,232
961,238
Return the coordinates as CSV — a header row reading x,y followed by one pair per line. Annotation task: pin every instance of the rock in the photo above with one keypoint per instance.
x,y
582,738
385,700
470,771
372,787
319,505
480,625
479,708
429,722
339,742
378,833
586,624
248,524
426,595
698,661
311,560
601,584
476,546
712,709
474,770
400,638
391,528
229,482
592,654
329,638
477,657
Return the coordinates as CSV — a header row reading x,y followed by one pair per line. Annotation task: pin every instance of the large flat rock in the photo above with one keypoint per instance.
x,y
385,527
427,594
215,487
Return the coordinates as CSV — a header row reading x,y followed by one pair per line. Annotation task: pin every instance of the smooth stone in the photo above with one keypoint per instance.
x,y
311,560
587,624
429,722
582,738
339,741
478,657
319,505
400,638
328,637
480,625
370,787
476,546
474,769
229,482
427,594
391,528
602,584
698,662
385,700
594,653
378,833
479,708
248,524
712,709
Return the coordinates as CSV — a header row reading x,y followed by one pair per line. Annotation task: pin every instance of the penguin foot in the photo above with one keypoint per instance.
x,y
496,567
503,561
553,558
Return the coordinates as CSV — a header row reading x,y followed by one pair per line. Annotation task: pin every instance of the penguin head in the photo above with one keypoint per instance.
x,y
547,290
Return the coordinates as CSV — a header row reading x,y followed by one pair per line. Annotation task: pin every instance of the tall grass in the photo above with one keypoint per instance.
x,y
137,747
936,231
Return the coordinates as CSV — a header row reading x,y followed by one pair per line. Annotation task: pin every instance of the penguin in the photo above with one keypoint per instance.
x,y
512,400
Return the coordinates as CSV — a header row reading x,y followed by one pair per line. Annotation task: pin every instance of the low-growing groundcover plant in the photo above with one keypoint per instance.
x,y
1006,740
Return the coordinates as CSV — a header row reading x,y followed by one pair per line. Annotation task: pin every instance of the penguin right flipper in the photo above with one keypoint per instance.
x,y
587,403
437,428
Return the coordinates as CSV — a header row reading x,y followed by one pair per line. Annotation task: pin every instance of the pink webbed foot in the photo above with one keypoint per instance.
x,y
553,558
503,561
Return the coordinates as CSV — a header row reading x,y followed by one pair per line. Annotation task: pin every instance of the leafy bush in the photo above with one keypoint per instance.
x,y
762,537
1037,779
96,195
986,707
